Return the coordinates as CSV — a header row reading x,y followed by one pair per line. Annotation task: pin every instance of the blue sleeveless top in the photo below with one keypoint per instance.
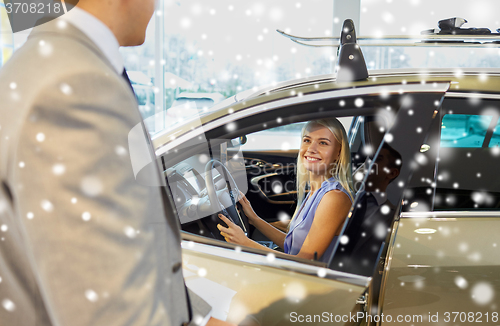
x,y
301,224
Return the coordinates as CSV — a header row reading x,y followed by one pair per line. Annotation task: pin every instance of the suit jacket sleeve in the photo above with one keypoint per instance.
x,y
99,244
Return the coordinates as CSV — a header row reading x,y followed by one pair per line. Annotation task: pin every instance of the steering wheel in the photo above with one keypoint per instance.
x,y
222,200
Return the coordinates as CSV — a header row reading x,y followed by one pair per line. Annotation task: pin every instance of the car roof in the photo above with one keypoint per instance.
x,y
463,80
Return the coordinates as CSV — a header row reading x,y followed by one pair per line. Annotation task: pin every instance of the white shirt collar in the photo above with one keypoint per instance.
x,y
98,33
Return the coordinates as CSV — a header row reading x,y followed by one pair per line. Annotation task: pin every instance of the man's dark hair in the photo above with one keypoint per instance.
x,y
394,157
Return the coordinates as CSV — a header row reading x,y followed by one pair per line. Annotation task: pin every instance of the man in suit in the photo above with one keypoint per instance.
x,y
82,242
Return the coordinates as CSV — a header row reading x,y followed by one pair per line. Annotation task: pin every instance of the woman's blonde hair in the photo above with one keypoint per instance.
x,y
342,168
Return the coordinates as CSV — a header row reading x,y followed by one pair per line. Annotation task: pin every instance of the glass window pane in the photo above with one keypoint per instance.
x,y
463,130
495,138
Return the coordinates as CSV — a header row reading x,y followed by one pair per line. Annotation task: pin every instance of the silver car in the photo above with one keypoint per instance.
x,y
426,254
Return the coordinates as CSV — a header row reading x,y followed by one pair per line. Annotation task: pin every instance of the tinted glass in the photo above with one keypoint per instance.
x,y
457,170
464,130
495,137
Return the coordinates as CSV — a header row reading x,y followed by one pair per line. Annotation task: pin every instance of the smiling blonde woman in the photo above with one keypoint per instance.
x,y
325,194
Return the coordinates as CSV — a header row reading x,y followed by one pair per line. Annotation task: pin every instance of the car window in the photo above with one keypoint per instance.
x,y
281,138
372,134
456,171
464,130
495,137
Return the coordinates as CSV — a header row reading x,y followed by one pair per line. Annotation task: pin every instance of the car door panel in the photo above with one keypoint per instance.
x,y
455,268
249,289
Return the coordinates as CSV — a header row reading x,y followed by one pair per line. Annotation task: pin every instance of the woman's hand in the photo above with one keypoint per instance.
x,y
247,208
233,233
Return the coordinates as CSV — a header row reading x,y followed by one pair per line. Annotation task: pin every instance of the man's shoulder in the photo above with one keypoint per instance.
x,y
49,60
48,54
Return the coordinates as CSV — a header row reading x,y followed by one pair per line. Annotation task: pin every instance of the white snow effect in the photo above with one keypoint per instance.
x,y
482,293
86,216
40,137
45,49
30,215
197,319
276,14
295,291
474,99
270,257
480,197
344,239
463,247
231,126
120,150
321,272
8,305
15,96
359,102
91,295
277,187
283,216
0,279
368,150
342,103
388,138
419,284
385,209
4,228
380,231
285,146
202,272
185,22
407,101
66,89
91,186
21,164
58,169
74,200
130,232
475,256
358,176
388,17
62,24
203,158
47,206
461,282
13,85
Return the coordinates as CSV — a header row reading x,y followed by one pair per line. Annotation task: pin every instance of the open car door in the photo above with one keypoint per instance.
x,y
254,287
